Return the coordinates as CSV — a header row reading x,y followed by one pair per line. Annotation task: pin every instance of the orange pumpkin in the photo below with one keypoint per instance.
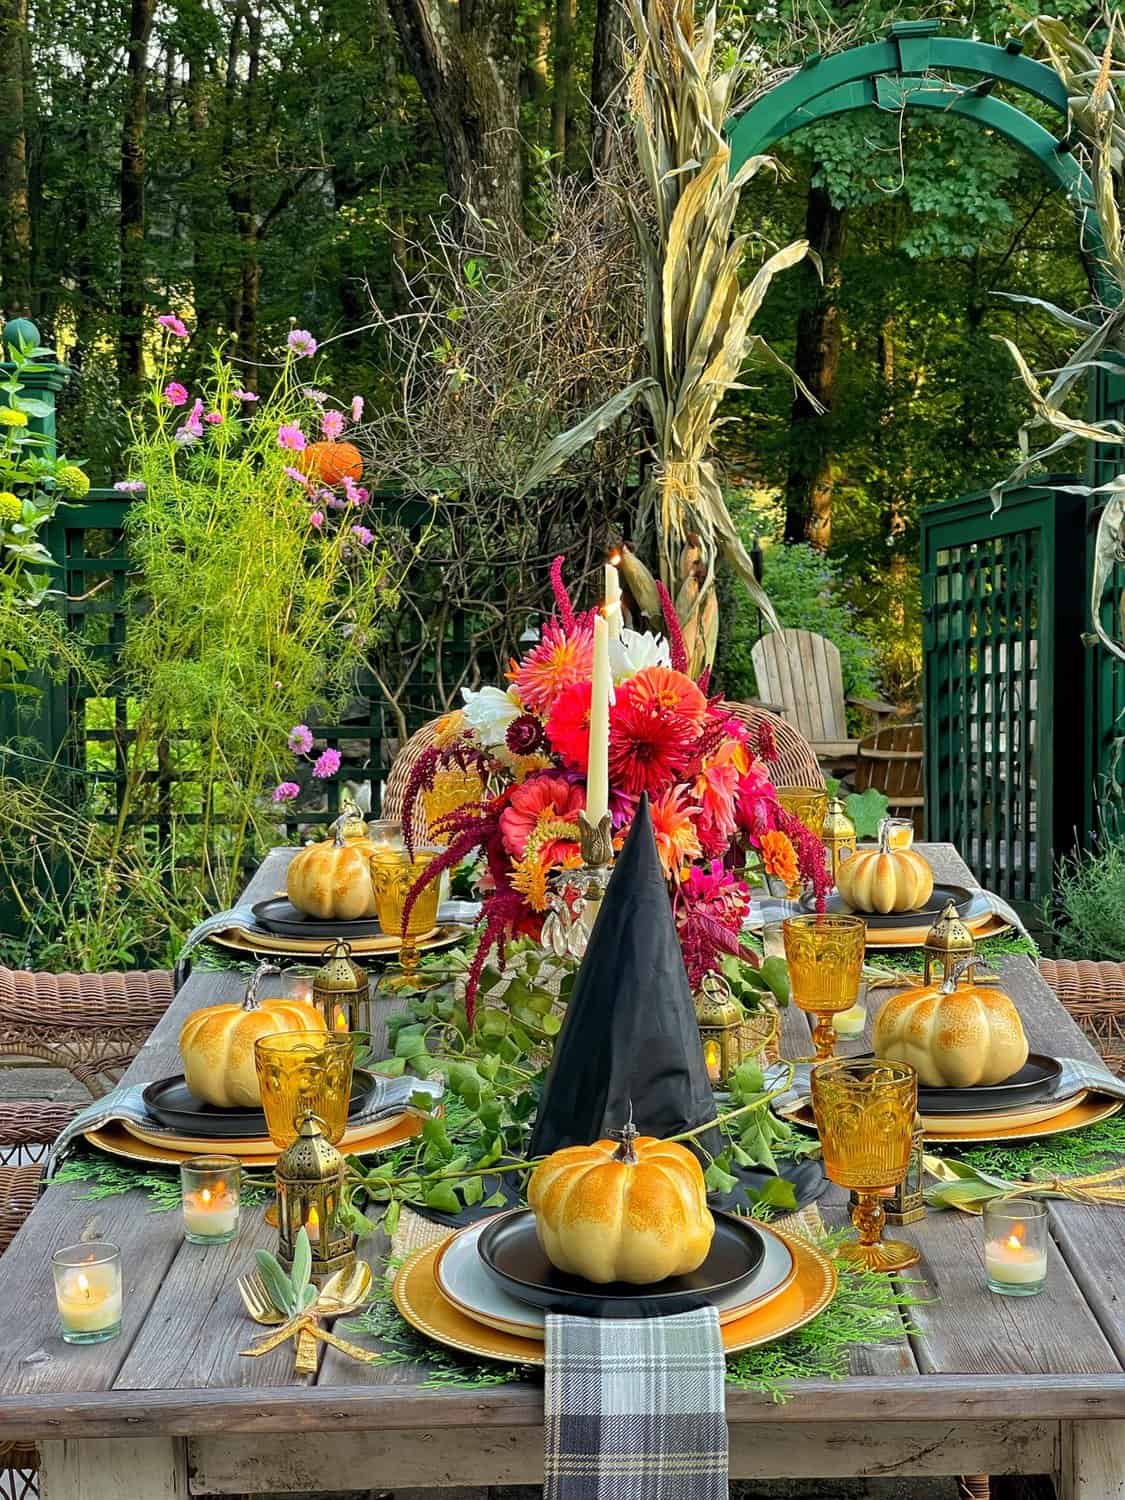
x,y
332,463
631,1210
217,1043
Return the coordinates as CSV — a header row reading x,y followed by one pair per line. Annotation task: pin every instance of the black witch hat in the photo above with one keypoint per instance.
x,y
630,1035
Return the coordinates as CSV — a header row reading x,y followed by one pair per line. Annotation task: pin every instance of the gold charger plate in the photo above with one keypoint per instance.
x,y
241,940
1090,1110
535,1331
116,1141
424,1306
251,1145
914,937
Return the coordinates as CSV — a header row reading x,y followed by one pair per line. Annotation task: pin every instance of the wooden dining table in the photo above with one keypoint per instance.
x,y
979,1383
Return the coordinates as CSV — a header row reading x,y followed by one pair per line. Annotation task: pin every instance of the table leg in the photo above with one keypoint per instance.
x,y
1091,1461
114,1469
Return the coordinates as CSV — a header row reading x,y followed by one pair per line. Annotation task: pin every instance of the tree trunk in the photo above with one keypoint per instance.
x,y
130,347
607,77
536,88
244,201
811,479
465,58
562,124
15,223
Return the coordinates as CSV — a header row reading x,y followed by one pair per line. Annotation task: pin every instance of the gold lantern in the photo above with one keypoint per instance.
x,y
719,1018
837,836
310,1179
947,942
906,1203
340,989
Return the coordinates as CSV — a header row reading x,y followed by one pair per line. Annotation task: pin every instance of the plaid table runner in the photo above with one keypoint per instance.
x,y
635,1408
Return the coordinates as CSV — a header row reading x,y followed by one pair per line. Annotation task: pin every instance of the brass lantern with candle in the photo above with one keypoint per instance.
x,y
947,942
719,1018
340,989
310,1179
837,835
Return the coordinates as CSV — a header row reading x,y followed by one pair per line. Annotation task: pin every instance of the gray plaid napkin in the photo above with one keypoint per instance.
x,y
765,910
237,916
126,1102
635,1408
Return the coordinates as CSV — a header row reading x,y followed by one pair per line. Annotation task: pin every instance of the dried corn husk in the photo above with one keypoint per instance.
x,y
698,314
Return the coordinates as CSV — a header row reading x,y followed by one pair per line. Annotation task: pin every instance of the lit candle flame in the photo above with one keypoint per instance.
x,y
312,1223
83,1285
615,557
341,1021
206,1195
1015,1242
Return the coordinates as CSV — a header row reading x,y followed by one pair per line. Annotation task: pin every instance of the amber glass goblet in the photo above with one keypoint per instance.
x,y
452,789
393,873
865,1110
808,804
825,958
303,1072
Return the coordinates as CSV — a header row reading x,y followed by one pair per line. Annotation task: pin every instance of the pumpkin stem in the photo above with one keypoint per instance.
x,y
250,999
628,1133
953,978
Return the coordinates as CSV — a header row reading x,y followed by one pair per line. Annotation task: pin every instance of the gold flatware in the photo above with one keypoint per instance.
x,y
342,1293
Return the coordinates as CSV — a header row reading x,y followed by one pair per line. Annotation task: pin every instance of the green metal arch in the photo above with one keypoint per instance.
x,y
899,72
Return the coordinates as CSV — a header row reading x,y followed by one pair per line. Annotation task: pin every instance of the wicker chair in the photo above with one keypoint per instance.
x,y
796,763
1094,995
92,1025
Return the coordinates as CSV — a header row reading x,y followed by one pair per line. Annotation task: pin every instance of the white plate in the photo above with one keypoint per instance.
x,y
465,1281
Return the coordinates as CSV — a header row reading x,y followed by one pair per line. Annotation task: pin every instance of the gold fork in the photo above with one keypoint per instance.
x,y
342,1293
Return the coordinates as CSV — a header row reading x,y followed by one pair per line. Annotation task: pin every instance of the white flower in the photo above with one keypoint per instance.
x,y
635,651
489,712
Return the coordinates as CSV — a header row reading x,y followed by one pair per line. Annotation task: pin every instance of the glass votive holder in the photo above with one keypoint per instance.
x,y
88,1291
296,983
209,1198
1015,1246
896,833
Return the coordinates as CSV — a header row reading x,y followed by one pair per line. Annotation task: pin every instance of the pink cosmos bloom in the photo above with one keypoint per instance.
x,y
334,502
363,536
214,417
301,342
300,739
327,763
296,475
194,422
285,791
320,397
175,394
356,493
332,425
130,486
244,395
173,325
185,435
316,519
291,437
357,408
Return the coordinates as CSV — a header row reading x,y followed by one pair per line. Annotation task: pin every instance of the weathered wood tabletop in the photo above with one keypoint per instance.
x,y
986,1384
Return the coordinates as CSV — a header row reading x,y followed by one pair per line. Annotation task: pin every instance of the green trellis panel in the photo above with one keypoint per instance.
x,y
1002,602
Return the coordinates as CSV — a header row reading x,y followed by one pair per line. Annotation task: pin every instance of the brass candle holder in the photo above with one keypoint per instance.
x,y
340,989
720,1020
947,943
576,895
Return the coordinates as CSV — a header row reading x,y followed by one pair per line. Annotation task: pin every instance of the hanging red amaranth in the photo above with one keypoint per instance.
x,y
672,626
767,745
810,854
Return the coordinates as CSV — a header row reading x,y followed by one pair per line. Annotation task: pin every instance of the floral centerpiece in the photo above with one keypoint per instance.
x,y
705,772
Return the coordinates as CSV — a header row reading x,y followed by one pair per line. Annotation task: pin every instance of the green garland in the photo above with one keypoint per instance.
x,y
1073,1155
109,1179
989,951
865,1310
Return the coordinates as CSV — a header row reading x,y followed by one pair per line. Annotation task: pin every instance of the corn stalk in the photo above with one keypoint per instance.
x,y
698,315
1097,119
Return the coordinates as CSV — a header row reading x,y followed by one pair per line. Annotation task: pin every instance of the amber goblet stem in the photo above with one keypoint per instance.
x,y
871,1249
824,1036
408,956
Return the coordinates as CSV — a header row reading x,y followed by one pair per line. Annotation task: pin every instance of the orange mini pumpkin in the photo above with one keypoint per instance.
x,y
332,463
631,1210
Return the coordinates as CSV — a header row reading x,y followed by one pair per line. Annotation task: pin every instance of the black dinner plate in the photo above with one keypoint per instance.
x,y
510,1248
170,1102
876,921
1035,1080
278,914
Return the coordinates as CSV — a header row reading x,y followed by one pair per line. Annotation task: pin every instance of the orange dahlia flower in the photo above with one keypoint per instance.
x,y
557,662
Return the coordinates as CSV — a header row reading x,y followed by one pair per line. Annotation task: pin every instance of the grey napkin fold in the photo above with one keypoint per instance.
x,y
635,1408
126,1102
237,916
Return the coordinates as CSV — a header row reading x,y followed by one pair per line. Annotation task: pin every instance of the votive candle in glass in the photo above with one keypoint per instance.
x,y
1015,1246
88,1291
209,1197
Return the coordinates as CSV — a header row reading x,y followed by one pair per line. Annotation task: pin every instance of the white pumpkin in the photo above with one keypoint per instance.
x,y
955,1036
885,879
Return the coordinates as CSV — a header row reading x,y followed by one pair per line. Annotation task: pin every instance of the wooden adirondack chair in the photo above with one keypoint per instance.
x,y
801,672
890,760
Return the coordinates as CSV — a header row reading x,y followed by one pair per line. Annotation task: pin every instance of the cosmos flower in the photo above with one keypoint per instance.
x,y
332,425
301,342
357,408
316,518
173,325
175,394
300,739
285,791
363,536
555,663
326,764
130,486
214,417
244,396
290,436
